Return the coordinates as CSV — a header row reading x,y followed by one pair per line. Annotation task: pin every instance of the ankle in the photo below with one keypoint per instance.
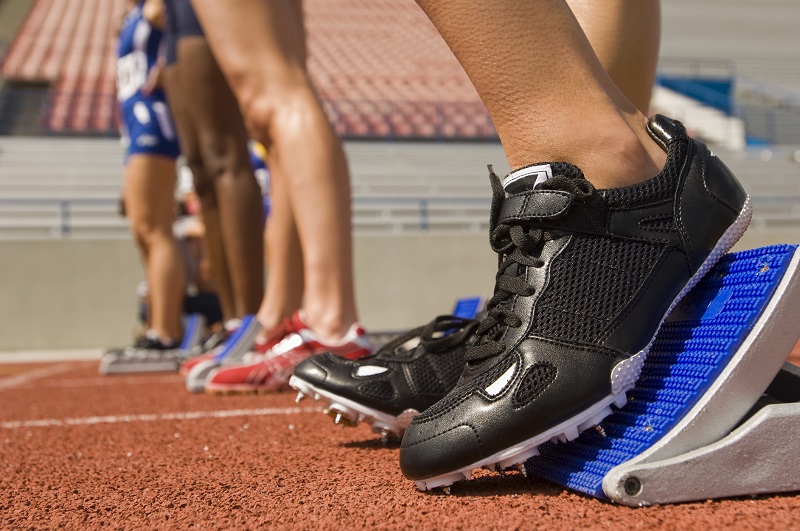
x,y
635,156
620,153
329,328
268,323
163,337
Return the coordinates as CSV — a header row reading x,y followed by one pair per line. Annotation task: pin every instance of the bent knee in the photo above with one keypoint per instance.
x,y
149,233
272,110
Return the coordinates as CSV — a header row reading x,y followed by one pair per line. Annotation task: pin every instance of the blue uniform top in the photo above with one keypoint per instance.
x,y
137,53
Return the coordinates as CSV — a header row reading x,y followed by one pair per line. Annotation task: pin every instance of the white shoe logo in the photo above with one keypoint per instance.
x,y
370,370
288,343
542,172
497,387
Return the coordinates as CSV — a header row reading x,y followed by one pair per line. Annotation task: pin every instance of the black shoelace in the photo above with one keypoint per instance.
x,y
516,245
441,334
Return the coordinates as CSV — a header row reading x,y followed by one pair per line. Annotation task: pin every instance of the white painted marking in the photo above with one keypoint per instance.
x,y
125,419
38,356
26,377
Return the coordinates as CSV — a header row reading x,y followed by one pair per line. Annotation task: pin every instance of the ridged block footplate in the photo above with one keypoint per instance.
x,y
686,395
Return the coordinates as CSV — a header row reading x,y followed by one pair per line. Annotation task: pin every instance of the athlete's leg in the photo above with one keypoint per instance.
x,y
625,35
282,252
551,317
546,91
223,139
190,149
150,206
284,257
260,48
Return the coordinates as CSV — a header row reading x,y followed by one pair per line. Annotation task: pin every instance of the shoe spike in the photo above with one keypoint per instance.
x,y
501,471
300,396
446,490
599,429
338,419
521,468
385,437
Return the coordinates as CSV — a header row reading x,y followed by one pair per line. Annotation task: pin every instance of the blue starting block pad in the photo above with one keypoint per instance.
x,y
698,424
193,327
469,307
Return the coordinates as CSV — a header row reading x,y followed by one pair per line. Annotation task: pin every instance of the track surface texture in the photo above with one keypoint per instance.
x,y
82,451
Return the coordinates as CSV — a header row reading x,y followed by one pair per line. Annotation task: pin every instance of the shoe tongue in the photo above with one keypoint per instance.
x,y
535,175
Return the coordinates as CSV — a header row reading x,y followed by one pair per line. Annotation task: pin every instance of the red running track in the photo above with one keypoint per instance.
x,y
82,451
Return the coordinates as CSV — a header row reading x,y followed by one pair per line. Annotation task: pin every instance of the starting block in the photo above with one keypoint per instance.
x,y
194,327
716,411
469,307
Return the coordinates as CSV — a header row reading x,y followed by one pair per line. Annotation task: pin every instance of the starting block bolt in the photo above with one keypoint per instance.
x,y
633,486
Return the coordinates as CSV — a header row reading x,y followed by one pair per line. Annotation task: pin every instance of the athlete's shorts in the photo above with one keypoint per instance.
x,y
181,22
147,127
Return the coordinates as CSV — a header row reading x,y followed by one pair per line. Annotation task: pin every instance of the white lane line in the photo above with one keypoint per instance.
x,y
38,374
122,419
39,356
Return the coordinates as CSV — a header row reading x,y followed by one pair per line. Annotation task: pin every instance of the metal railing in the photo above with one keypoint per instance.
x,y
98,218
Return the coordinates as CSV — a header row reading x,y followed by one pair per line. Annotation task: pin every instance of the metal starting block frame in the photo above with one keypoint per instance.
x,y
716,411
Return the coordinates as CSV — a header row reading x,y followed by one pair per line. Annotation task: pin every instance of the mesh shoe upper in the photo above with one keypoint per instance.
x,y
585,278
412,371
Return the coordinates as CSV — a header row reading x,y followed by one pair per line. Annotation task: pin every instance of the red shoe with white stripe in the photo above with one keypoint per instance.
x,y
271,370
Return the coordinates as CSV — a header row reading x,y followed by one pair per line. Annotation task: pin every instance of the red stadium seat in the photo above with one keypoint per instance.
x,y
382,59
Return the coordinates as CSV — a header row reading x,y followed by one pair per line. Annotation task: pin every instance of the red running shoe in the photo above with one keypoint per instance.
x,y
271,370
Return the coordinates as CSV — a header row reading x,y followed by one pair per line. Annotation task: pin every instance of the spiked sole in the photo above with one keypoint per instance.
x,y
515,456
623,379
350,413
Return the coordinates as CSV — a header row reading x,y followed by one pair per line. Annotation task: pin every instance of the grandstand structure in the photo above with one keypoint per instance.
x,y
380,67
383,73
73,190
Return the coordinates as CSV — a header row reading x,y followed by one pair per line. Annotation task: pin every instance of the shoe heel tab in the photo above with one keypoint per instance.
x,y
664,130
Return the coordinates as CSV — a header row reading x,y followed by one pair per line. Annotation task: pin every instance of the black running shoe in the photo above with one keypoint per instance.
x,y
585,279
389,388
147,354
